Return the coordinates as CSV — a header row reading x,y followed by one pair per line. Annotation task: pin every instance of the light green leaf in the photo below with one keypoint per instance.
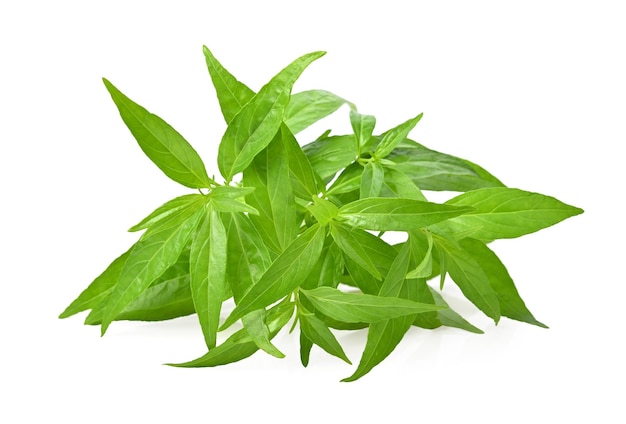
x,y
154,253
424,267
396,214
273,197
208,273
363,127
507,213
161,143
224,204
348,181
511,304
469,276
449,318
353,307
165,210
230,192
231,93
323,210
397,184
431,170
330,155
372,180
328,270
308,107
254,127
351,243
99,289
254,322
306,183
317,332
284,274
393,137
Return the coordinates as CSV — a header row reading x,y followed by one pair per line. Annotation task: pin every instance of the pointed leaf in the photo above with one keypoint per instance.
x,y
317,332
508,212
363,127
449,318
208,273
353,307
351,243
306,183
396,214
254,127
284,275
395,136
397,184
231,93
308,107
254,322
161,143
372,179
330,155
165,210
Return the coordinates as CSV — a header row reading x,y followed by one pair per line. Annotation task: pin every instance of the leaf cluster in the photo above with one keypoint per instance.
x,y
296,232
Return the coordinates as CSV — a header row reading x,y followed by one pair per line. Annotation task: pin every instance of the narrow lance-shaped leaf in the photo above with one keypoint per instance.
x,y
396,214
254,322
208,273
161,143
284,275
308,107
384,336
372,179
397,184
469,276
231,93
395,136
317,332
351,243
502,212
363,127
99,289
353,307
166,210
330,155
305,181
511,304
240,345
254,127
273,197
153,254
449,318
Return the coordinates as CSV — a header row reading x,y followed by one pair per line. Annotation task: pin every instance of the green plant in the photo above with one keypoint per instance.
x,y
301,230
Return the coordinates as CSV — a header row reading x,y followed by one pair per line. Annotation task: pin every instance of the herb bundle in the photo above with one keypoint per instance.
x,y
298,233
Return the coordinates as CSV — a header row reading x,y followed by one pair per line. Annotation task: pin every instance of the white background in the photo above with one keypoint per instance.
x,y
534,91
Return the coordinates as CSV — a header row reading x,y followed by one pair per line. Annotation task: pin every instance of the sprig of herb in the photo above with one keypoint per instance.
x,y
300,236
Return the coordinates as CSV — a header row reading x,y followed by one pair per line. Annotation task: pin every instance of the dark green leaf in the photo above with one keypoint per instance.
x,y
161,143
305,349
308,107
306,183
351,243
254,127
507,213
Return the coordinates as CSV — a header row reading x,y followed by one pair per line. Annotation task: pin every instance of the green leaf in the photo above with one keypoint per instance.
x,y
231,192
166,210
432,170
511,304
353,307
384,336
157,250
396,214
306,183
330,155
208,273
231,93
424,267
469,276
161,143
254,322
363,127
328,271
323,210
223,204
348,181
393,137
248,257
305,349
449,318
99,289
165,299
273,197
317,332
372,179
240,345
507,213
254,127
308,107
397,184
283,275
351,242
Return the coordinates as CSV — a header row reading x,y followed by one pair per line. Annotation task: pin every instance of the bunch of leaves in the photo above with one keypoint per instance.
x,y
298,233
